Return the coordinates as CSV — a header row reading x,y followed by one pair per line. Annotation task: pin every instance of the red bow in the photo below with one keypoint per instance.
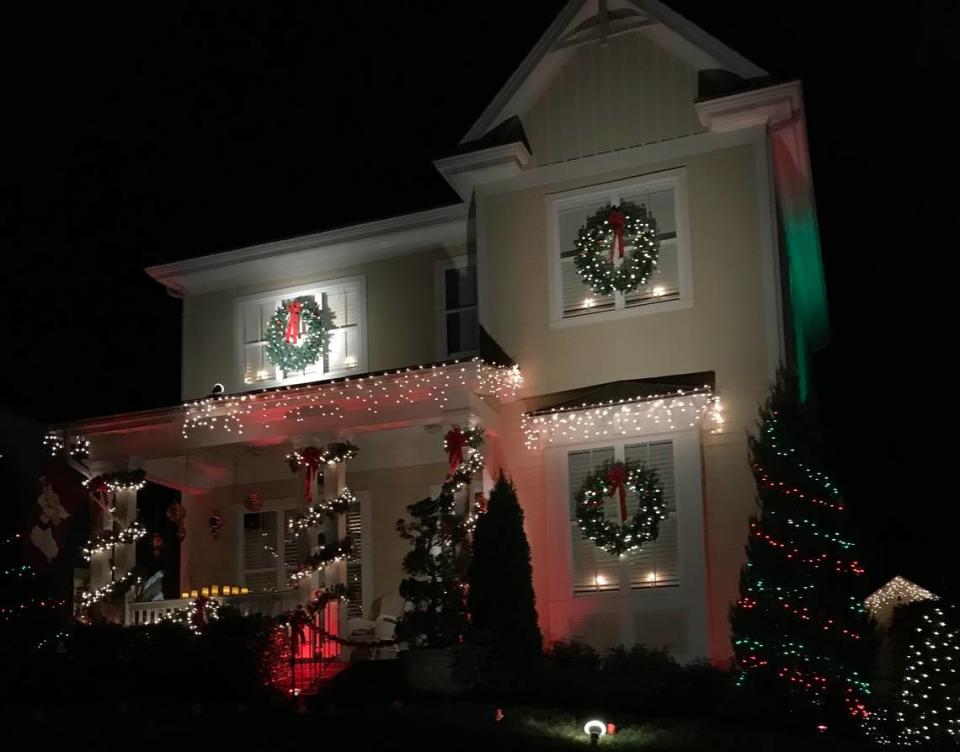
x,y
617,478
310,459
616,219
456,440
292,334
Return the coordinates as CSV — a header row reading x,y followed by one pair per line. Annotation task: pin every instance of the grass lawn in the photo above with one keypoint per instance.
x,y
321,725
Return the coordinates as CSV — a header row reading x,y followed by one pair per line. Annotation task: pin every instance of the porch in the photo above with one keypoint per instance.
x,y
228,457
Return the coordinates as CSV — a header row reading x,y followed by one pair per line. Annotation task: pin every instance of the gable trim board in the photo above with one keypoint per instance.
x,y
304,255
670,30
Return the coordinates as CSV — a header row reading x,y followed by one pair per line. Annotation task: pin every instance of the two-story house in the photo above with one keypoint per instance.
x,y
477,313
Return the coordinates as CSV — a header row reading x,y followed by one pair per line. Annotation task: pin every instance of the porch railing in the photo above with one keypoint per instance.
x,y
270,604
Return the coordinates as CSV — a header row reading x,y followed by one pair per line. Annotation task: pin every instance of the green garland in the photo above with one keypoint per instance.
x,y
595,242
321,511
642,527
298,356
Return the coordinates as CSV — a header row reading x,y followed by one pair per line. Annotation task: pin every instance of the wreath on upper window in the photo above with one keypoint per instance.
x,y
298,334
629,534
602,259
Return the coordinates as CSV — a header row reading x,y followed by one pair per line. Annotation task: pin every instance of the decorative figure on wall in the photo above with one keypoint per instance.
x,y
52,513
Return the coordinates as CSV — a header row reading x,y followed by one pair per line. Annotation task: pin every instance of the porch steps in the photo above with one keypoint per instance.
x,y
310,676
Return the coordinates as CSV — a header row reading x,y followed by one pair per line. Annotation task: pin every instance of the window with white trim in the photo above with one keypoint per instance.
x,y
664,196
347,353
270,552
657,564
457,302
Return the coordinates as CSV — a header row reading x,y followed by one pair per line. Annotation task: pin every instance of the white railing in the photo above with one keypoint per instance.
x,y
270,604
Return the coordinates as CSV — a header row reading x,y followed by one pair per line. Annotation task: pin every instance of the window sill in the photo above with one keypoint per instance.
x,y
601,317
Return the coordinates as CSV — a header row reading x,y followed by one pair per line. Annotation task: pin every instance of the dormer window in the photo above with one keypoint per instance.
x,y
347,354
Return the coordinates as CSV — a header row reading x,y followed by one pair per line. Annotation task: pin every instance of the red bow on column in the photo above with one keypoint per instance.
x,y
616,219
310,459
292,333
617,478
456,440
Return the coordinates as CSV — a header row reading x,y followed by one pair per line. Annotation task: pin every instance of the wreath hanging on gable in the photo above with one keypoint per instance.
x,y
298,334
602,259
643,526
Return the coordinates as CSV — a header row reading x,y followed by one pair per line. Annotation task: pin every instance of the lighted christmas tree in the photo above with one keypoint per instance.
x,y
800,629
501,601
929,709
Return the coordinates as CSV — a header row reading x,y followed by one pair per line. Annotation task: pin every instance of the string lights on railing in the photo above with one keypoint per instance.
x,y
665,412
370,394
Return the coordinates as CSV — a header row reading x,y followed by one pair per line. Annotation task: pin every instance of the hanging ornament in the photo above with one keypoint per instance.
x,y
176,513
215,521
602,260
158,546
253,502
296,320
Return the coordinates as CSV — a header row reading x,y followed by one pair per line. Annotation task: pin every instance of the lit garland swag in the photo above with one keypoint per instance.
x,y
800,625
605,237
434,590
618,478
312,459
295,320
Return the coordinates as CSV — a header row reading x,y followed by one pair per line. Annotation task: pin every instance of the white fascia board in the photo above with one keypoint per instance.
x,y
758,107
306,254
464,172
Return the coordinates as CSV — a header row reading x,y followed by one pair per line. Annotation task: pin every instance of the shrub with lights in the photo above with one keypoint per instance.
x,y
800,630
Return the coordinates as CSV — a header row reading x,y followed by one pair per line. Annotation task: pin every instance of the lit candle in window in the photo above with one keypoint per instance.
x,y
588,303
349,361
658,291
600,580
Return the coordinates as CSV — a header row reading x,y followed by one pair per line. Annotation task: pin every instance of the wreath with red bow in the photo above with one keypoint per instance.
x,y
603,259
298,334
617,478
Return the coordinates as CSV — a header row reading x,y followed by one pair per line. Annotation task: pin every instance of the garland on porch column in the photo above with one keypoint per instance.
x,y
435,613
312,459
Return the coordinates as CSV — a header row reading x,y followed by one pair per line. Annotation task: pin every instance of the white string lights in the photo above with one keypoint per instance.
x,y
897,592
338,398
660,412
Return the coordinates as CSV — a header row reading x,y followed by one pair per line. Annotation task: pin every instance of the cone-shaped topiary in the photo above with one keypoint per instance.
x,y
501,601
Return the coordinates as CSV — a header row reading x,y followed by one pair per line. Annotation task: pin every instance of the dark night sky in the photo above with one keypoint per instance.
x,y
144,132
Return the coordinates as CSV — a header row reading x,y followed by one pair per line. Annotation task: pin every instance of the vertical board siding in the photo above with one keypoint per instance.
x,y
626,94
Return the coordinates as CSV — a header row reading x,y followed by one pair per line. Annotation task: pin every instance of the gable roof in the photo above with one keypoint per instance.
x,y
584,21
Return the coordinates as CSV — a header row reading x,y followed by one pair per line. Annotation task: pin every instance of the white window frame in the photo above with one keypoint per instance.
x,y
440,296
274,296
619,446
277,507
557,202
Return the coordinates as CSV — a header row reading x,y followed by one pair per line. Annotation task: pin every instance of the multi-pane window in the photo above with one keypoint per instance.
x,y
657,563
457,297
270,552
661,197
345,299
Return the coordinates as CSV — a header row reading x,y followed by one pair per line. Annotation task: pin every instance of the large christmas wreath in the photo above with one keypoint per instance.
x,y
618,478
298,334
602,258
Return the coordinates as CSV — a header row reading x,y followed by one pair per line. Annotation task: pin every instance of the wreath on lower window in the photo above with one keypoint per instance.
x,y
298,334
632,531
602,260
